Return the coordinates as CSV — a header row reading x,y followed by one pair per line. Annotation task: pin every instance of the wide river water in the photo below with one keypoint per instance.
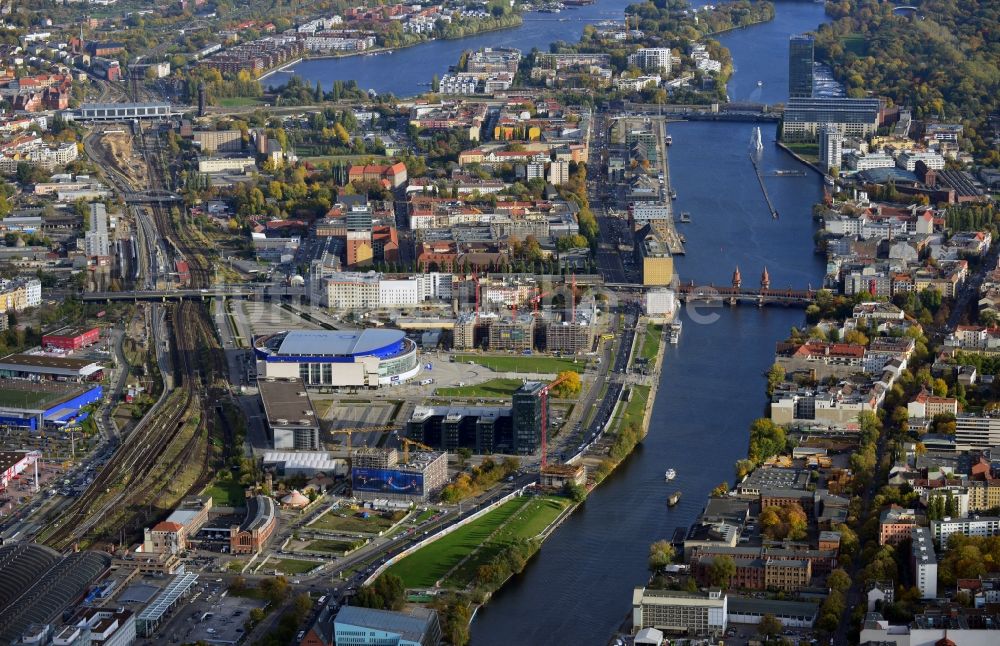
x,y
578,589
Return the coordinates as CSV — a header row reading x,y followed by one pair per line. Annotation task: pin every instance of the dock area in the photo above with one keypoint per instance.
x,y
674,241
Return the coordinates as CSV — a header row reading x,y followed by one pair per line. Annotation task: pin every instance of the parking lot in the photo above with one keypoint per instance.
x,y
210,618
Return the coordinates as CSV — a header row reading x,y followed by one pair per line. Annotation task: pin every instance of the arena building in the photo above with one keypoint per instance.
x,y
335,358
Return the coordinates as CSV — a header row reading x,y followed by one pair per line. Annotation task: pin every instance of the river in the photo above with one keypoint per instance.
x,y
577,590
408,71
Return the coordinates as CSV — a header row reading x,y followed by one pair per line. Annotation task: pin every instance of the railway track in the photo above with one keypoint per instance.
x,y
172,439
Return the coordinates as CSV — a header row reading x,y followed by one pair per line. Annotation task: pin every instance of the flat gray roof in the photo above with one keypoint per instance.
x,y
286,399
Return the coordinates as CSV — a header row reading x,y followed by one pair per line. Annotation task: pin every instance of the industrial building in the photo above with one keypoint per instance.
x,y
484,429
337,358
71,338
291,418
41,367
123,111
35,405
379,473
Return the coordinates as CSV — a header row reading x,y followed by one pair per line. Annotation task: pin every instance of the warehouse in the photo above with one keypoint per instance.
x,y
337,358
37,405
71,338
13,464
40,367
380,474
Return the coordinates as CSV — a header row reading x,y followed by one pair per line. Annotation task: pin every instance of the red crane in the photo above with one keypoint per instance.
x,y
544,398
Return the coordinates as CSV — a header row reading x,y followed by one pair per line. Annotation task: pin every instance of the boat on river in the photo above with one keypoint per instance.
x,y
675,332
674,498
685,216
670,474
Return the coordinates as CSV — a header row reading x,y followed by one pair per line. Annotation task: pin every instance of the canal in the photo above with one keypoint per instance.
x,y
577,590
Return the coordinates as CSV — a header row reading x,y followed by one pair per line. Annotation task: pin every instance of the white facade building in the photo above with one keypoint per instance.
x,y
924,562
652,59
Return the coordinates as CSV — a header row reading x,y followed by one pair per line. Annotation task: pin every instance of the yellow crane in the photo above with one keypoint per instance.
x,y
349,432
406,447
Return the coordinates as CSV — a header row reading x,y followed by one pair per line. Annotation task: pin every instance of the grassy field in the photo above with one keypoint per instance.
x,y
291,566
551,365
25,398
352,522
654,334
492,388
226,494
528,522
634,409
334,547
423,568
240,101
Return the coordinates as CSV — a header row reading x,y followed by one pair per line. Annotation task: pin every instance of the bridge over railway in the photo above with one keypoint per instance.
x,y
224,291
152,197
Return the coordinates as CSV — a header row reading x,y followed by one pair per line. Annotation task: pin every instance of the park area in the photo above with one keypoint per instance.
x,y
291,566
495,388
356,521
333,546
457,557
546,365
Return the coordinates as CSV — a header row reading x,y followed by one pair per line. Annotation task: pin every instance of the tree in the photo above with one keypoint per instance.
x,y
775,377
570,385
769,626
390,587
839,579
722,569
721,489
575,492
661,554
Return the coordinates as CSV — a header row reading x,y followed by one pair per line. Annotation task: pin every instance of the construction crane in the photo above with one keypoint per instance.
x,y
544,397
349,432
406,447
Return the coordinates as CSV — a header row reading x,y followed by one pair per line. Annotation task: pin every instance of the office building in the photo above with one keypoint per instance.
x,y
947,626
800,66
701,614
212,141
923,562
225,164
356,626
831,147
804,117
530,413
